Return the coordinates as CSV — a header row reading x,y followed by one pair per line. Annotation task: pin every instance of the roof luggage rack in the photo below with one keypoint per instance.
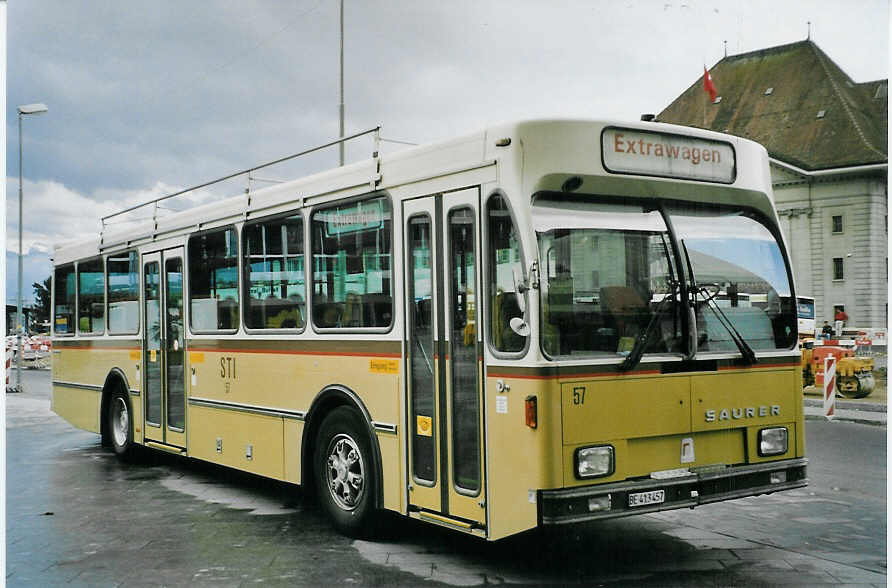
x,y
377,140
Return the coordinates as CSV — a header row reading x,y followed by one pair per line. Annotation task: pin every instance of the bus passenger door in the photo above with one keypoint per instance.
x,y
443,360
163,353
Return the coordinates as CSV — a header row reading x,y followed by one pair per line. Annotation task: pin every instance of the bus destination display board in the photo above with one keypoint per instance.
x,y
649,153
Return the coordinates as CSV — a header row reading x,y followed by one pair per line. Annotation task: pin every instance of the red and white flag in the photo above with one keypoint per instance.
x,y
708,85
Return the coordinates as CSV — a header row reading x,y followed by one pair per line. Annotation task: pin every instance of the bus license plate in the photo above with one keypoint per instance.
x,y
643,498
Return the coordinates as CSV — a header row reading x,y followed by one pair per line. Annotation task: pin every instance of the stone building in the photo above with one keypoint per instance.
x,y
826,139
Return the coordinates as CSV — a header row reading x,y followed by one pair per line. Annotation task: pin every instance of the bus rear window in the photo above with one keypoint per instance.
x,y
806,308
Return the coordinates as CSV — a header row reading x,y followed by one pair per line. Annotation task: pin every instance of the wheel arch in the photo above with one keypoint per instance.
x,y
116,379
328,399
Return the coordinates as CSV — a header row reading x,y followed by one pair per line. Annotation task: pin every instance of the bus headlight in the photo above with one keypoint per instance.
x,y
594,462
773,441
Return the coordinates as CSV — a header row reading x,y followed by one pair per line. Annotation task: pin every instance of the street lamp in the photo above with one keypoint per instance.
x,y
23,110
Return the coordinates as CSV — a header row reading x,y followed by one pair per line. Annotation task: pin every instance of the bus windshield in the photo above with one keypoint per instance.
x,y
608,277
606,270
733,256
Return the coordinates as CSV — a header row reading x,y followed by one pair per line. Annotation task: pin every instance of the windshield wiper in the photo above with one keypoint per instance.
x,y
637,351
749,356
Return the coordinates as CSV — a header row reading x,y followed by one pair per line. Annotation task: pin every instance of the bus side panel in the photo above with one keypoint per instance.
x,y
519,457
390,470
248,442
78,406
80,369
293,430
287,376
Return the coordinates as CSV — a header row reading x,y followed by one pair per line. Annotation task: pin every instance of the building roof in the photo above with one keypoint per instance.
x,y
795,101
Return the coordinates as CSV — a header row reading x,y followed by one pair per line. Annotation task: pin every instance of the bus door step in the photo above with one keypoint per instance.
x,y
166,447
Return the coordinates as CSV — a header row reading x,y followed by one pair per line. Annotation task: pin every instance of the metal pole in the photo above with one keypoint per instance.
x,y
341,103
19,317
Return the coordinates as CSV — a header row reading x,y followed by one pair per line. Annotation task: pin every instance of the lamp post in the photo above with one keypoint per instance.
x,y
341,103
23,110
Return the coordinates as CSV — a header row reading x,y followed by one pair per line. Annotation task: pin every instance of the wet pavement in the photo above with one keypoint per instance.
x,y
76,516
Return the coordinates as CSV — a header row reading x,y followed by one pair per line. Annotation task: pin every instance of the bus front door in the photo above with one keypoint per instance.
x,y
444,359
163,353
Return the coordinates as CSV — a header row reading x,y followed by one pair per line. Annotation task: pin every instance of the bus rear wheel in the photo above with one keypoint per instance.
x,y
120,424
345,473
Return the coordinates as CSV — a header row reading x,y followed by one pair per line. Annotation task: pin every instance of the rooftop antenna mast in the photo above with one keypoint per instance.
x,y
808,38
726,47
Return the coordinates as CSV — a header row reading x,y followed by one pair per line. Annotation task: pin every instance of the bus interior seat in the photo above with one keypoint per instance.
x,y
624,307
327,314
353,311
227,313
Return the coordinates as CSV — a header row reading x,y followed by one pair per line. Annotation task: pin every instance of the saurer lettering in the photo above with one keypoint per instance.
x,y
726,414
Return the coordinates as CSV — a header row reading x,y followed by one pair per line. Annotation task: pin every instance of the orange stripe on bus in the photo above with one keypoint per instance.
x,y
294,352
569,376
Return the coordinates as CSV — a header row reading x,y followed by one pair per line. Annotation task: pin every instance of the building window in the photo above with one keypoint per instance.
x,y
837,224
213,281
838,273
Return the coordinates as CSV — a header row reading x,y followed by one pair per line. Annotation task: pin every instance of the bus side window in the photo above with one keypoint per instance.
x,y
274,273
352,268
122,275
91,296
213,280
63,310
505,270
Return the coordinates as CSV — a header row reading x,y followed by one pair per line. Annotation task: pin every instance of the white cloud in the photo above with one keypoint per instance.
x,y
56,214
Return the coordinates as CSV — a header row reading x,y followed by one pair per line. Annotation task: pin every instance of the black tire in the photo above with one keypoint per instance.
x,y
861,389
345,473
120,425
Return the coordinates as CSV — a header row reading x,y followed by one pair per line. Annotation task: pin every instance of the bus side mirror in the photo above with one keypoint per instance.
x,y
519,326
520,290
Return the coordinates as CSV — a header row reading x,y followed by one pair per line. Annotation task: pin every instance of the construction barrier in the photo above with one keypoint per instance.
x,y
829,386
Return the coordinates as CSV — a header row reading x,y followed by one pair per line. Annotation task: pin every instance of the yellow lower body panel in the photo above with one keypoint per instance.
x,y
248,442
79,406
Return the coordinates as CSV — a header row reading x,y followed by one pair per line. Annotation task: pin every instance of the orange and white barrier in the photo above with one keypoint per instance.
x,y
829,386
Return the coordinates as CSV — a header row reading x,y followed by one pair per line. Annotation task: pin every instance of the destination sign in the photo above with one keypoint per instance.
x,y
662,154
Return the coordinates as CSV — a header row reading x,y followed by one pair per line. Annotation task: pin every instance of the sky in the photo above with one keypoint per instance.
x,y
147,98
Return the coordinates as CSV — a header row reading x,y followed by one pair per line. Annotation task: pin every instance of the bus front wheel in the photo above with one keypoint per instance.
x,y
344,472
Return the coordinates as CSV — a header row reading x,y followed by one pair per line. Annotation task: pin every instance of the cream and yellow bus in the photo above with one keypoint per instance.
x,y
512,329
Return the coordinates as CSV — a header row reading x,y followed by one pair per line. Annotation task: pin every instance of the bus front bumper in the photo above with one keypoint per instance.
x,y
575,505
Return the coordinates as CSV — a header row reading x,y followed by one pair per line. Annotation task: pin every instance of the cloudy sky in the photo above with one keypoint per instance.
x,y
146,98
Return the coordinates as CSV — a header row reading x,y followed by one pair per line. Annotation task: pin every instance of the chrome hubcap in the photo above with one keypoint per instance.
x,y
120,422
346,472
